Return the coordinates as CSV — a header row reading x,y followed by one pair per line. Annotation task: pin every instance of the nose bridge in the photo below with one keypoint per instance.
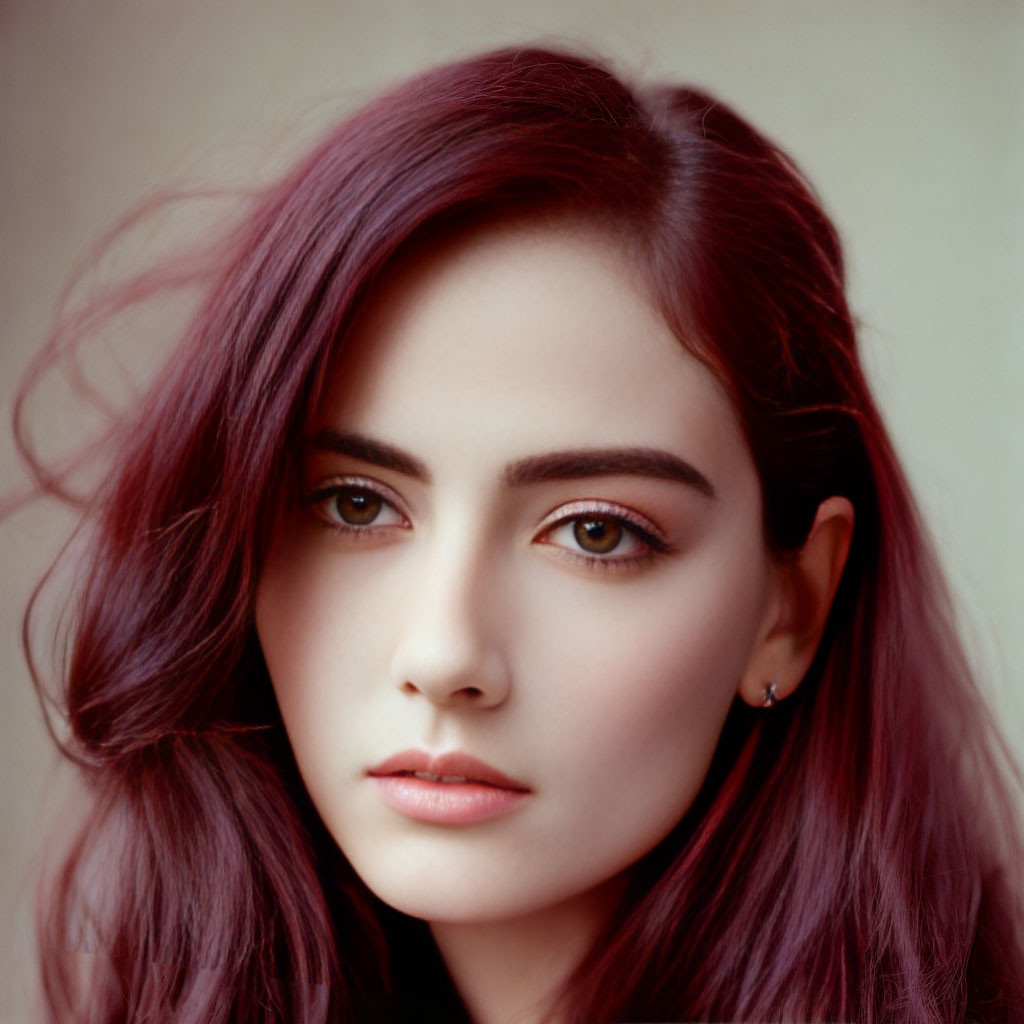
x,y
450,648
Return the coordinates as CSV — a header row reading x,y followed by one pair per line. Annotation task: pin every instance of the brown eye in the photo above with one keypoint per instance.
x,y
358,507
598,535
617,540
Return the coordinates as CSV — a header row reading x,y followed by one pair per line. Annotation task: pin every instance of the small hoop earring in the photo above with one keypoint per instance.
x,y
770,697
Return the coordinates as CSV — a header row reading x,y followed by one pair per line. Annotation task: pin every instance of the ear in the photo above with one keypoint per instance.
x,y
798,610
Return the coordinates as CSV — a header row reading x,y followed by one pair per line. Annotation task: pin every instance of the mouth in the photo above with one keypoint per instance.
x,y
454,768
448,789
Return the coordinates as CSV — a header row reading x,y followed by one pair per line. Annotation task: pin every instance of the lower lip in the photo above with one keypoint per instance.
x,y
447,803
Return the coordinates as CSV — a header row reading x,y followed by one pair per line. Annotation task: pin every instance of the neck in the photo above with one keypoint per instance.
x,y
511,971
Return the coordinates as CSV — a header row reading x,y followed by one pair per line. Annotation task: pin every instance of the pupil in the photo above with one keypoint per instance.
x,y
358,507
598,536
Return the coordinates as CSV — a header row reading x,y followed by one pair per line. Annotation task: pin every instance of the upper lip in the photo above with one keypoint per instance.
x,y
451,765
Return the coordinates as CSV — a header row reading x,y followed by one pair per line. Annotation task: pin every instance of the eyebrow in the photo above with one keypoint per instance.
x,y
584,462
573,464
366,449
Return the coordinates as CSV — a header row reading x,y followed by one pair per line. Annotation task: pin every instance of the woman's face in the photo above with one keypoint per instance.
x,y
530,535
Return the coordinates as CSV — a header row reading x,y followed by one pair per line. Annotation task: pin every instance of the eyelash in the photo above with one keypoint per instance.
x,y
330,490
631,523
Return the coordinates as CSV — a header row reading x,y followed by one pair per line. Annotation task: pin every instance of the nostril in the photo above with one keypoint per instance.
x,y
469,692
409,688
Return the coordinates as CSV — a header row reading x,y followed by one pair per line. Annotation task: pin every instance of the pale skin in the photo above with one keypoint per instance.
x,y
531,532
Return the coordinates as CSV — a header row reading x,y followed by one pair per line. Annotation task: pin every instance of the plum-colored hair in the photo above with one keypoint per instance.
x,y
853,855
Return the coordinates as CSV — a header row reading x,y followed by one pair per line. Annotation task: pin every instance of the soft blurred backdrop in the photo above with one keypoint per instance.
x,y
908,115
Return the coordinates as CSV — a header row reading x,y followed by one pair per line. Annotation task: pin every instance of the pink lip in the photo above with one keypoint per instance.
x,y
466,791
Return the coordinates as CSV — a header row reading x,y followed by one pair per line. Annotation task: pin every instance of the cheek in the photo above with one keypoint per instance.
x,y
319,646
640,684
676,641
293,622
643,691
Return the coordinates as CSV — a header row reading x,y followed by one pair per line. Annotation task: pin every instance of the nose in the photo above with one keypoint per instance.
x,y
451,644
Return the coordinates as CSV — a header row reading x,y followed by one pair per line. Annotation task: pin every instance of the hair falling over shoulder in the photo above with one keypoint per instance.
x,y
854,855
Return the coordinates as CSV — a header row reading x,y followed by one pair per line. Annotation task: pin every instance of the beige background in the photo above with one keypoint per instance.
x,y
906,115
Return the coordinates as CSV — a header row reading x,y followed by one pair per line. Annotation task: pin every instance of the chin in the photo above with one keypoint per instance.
x,y
454,908
453,898
455,889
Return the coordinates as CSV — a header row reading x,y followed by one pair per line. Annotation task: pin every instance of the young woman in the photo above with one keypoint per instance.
x,y
507,604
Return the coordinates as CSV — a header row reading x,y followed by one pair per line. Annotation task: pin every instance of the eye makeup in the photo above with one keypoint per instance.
x,y
356,506
601,536
590,533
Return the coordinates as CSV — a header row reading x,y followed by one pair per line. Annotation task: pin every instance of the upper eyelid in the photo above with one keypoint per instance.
x,y
327,486
594,506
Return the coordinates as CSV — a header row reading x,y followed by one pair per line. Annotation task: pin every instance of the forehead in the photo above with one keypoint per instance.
x,y
525,337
